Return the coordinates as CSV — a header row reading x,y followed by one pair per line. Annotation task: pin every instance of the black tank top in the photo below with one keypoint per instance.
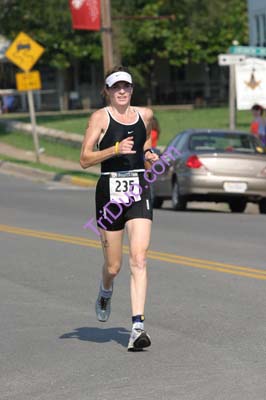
x,y
117,131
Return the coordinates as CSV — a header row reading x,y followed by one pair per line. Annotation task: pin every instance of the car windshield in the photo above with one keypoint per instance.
x,y
224,142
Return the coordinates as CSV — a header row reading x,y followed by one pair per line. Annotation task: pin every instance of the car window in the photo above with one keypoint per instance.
x,y
174,142
180,145
224,142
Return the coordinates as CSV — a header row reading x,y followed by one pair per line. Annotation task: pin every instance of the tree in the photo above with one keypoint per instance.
x,y
49,22
201,30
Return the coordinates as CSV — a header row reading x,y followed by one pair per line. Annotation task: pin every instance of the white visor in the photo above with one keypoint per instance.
x,y
119,76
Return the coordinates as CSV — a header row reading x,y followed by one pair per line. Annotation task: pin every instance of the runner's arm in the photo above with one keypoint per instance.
x,y
147,116
95,127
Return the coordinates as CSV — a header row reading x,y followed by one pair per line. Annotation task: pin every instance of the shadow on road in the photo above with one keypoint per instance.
x,y
98,335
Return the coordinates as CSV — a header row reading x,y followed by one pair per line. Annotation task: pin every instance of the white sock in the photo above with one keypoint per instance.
x,y
106,290
138,325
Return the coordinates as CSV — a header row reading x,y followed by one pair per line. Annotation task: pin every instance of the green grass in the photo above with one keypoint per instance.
x,y
171,121
175,121
69,123
52,148
48,168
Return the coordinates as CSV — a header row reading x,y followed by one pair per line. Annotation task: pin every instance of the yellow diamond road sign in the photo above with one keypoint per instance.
x,y
28,80
24,51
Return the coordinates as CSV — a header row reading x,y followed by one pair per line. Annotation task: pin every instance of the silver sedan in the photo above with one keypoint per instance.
x,y
212,165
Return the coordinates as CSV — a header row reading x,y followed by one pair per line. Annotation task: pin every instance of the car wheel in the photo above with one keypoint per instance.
x,y
156,202
262,206
238,205
178,202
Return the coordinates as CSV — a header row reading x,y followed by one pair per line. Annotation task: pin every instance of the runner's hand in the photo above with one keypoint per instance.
x,y
126,145
151,157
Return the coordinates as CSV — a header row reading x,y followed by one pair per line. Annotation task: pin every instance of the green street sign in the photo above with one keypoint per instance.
x,y
248,51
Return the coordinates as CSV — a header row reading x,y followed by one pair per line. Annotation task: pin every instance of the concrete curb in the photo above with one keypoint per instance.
x,y
83,182
9,168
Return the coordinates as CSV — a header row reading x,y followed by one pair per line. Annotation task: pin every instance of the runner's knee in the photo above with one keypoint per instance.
x,y
138,262
113,268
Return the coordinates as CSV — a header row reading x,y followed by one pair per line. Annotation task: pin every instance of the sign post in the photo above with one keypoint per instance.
x,y
231,60
28,81
24,52
232,97
33,124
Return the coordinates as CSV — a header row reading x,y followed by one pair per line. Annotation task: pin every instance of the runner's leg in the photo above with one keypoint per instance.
x,y
112,249
112,243
139,230
139,238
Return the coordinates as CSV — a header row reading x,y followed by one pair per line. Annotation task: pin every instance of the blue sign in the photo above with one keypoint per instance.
x,y
248,51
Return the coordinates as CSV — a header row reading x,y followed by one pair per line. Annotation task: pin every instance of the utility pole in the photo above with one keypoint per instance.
x,y
107,35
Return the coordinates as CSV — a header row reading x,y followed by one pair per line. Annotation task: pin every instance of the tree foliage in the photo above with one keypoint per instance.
x,y
49,22
200,31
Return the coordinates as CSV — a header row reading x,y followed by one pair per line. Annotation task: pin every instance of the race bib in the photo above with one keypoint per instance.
x,y
122,188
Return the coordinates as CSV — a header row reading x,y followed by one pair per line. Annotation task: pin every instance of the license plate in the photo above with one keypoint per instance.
x,y
235,187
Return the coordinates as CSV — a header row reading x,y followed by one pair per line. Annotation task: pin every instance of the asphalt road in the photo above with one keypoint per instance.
x,y
205,310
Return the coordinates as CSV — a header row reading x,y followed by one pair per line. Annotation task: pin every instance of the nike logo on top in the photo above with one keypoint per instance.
x,y
129,132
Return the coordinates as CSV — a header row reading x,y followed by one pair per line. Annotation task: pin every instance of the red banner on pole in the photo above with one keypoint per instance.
x,y
86,14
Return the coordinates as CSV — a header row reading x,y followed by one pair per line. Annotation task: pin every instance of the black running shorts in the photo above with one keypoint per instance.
x,y
113,217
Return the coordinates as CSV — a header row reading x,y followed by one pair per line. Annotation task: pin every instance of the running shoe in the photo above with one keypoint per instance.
x,y
103,305
139,339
